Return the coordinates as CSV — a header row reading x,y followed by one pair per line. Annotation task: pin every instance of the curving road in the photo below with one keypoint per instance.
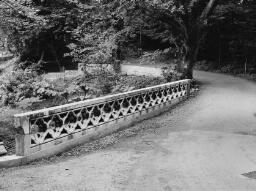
x,y
206,144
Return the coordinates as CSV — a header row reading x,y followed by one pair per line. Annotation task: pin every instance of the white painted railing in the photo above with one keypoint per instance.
x,y
52,130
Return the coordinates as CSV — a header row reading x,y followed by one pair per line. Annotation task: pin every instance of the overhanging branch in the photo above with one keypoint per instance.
x,y
208,9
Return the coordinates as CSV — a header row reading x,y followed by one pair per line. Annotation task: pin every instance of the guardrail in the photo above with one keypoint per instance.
x,y
53,130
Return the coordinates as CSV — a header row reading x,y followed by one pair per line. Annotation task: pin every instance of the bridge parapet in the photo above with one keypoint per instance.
x,y
50,131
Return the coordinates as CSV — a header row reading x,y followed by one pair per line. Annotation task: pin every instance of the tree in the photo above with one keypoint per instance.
x,y
188,19
38,31
95,29
231,40
195,19
197,16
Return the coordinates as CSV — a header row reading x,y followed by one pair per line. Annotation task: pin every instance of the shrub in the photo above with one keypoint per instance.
x,y
157,56
24,84
101,83
171,74
227,69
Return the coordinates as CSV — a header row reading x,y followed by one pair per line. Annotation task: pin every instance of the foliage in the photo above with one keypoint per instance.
x,y
158,56
103,32
180,24
231,40
110,30
128,83
24,84
38,31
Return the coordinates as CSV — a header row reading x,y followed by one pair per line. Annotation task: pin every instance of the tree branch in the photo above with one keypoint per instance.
x,y
208,9
41,58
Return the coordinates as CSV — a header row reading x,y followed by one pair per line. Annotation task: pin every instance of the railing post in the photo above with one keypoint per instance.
x,y
22,144
188,88
22,138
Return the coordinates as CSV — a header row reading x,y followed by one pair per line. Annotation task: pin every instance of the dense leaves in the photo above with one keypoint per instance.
x,y
231,40
53,33
38,31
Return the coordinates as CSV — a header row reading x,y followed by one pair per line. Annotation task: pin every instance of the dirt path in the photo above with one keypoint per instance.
x,y
205,144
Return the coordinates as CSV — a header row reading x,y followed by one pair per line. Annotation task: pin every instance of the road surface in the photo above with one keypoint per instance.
x,y
206,144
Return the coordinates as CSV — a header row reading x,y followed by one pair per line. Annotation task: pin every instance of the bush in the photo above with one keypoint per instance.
x,y
100,83
156,56
206,65
127,83
226,69
172,74
24,84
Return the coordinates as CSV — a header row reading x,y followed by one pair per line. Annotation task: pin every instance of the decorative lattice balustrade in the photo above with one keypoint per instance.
x,y
47,126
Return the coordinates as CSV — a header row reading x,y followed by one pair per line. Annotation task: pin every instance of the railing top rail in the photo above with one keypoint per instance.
x,y
76,105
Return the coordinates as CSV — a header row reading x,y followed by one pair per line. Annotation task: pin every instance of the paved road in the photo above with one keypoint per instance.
x,y
206,144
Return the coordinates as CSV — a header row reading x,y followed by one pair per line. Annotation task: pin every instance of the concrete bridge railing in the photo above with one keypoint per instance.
x,y
50,131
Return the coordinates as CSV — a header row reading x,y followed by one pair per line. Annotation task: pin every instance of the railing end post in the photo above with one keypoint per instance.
x,y
22,144
22,123
188,88
22,137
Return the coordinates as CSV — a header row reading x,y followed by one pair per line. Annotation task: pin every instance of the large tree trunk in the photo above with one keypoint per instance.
x,y
194,45
196,35
191,59
54,53
189,71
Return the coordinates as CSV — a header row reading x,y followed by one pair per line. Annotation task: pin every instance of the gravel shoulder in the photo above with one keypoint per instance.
x,y
205,143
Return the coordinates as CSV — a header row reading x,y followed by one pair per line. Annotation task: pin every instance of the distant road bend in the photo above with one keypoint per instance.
x,y
205,144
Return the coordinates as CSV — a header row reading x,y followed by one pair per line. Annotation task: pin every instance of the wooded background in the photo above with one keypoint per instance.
x,y
49,34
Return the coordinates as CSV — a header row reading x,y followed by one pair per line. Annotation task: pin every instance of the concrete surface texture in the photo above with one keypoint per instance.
x,y
206,144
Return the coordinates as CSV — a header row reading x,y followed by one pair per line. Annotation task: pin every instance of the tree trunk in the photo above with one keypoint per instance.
x,y
190,60
190,66
191,57
41,58
54,53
